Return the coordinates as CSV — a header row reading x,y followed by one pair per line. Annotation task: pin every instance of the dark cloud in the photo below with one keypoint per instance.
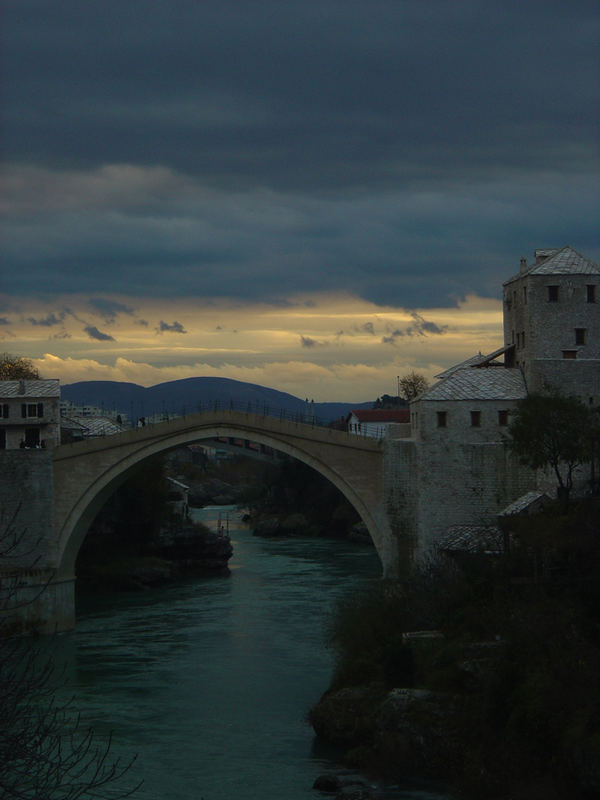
x,y
143,322
93,332
365,327
422,326
306,341
419,327
62,335
49,320
173,327
108,309
405,152
4,321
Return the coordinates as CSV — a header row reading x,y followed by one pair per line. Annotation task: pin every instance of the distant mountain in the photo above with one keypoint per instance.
x,y
192,394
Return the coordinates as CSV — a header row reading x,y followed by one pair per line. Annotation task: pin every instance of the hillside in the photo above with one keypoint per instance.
x,y
190,394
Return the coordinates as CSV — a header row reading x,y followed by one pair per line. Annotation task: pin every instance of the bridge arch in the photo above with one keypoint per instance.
x,y
87,473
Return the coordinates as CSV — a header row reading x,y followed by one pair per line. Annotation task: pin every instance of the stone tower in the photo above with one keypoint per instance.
x,y
552,317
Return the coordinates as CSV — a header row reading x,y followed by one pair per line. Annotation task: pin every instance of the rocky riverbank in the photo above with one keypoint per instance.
x,y
182,552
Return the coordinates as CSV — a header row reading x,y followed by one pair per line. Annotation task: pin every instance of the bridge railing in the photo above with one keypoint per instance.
x,y
303,417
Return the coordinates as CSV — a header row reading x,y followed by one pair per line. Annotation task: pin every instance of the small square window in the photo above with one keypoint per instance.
x,y
475,419
591,292
442,419
32,410
553,294
579,335
569,353
503,417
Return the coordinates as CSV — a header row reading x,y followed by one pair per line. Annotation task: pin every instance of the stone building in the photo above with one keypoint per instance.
x,y
552,317
30,415
455,468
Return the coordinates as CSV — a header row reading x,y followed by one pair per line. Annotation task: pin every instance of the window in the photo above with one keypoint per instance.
x,y
553,294
579,335
2,439
518,340
32,410
591,293
523,339
524,295
569,353
475,419
5,410
442,419
503,417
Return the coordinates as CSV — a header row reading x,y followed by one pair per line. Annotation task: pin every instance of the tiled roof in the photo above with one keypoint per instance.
x,y
45,387
563,261
485,383
469,362
472,539
382,414
92,426
524,502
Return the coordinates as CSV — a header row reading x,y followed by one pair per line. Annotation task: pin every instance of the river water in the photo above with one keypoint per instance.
x,y
209,681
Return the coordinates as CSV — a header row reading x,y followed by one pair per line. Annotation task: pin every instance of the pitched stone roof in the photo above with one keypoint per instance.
x,y
525,502
483,383
562,261
472,539
44,387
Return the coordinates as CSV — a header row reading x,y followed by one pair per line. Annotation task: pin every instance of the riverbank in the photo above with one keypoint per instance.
x,y
484,672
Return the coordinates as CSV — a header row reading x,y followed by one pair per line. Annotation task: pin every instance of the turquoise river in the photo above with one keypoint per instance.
x,y
209,681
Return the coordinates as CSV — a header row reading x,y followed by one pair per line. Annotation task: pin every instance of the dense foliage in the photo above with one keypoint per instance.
x,y
553,431
520,646
291,486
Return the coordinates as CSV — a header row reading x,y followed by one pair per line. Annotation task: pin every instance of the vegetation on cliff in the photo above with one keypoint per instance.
x,y
136,541
302,502
516,652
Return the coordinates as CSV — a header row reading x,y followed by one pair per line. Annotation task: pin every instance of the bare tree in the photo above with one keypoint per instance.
x,y
45,751
412,385
17,368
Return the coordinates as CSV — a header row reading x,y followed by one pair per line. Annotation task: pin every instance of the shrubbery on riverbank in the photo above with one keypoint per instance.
x,y
517,651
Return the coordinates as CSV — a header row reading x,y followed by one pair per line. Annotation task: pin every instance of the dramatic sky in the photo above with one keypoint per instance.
x,y
313,195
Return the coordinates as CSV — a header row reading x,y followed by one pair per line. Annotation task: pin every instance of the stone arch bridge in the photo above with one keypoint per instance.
x,y
85,474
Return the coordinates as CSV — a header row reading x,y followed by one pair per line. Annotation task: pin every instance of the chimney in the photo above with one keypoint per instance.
x,y
523,263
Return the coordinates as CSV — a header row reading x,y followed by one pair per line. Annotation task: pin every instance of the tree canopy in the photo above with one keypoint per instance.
x,y
17,368
552,431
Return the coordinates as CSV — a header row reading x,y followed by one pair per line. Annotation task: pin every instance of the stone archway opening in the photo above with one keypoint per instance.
x,y
86,473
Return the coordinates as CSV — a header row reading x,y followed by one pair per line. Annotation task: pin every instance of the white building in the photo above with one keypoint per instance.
x,y
30,415
376,422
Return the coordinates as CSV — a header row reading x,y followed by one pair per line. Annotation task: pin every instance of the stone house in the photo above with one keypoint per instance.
x,y
454,468
552,317
30,413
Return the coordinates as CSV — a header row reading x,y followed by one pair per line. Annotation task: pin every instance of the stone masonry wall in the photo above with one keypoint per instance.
x,y
27,499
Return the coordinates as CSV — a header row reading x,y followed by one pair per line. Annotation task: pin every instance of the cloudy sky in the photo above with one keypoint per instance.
x,y
315,196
